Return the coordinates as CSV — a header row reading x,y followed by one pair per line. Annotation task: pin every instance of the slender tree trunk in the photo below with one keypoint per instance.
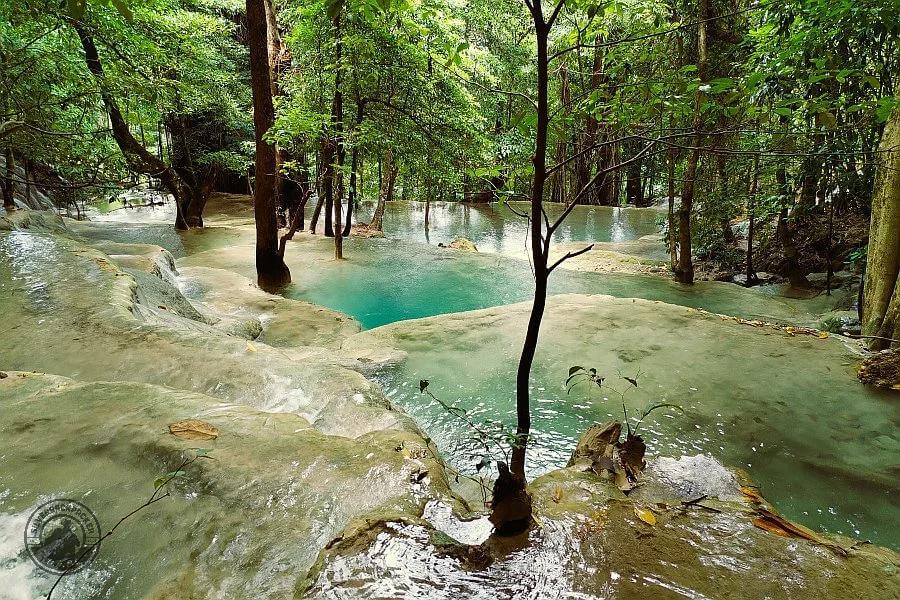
x,y
684,271
271,271
337,113
299,193
9,185
328,189
26,166
783,234
881,294
538,256
317,210
386,194
354,166
754,187
673,228
634,189
584,162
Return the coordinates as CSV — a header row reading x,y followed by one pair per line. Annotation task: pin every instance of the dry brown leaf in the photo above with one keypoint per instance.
x,y
751,494
193,429
769,521
557,494
621,480
645,515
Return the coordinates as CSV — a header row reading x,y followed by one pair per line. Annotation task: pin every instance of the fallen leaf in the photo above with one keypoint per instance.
x,y
645,515
251,347
769,521
193,429
557,494
621,480
823,335
751,494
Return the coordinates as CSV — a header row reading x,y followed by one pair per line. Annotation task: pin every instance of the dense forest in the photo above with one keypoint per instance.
x,y
770,113
761,138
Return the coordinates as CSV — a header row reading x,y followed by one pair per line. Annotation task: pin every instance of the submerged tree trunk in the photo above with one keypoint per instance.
x,y
881,295
139,159
270,268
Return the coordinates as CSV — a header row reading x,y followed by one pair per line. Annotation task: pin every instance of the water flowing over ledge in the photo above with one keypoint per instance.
x,y
318,484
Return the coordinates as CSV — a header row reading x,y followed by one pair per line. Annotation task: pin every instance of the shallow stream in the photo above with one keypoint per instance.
x,y
787,409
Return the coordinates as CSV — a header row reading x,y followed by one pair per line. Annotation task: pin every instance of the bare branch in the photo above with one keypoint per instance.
x,y
567,256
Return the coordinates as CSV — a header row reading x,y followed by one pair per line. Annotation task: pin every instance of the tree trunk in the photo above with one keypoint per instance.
x,y
881,294
328,183
317,210
354,165
199,195
673,229
386,194
137,157
752,279
337,112
275,47
684,272
791,267
634,189
8,181
584,162
271,271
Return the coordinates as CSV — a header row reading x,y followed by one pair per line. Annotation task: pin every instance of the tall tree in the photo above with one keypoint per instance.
x,y
684,271
271,271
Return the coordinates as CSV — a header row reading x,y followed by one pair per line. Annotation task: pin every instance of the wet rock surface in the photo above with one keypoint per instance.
x,y
316,485
782,404
592,541
246,522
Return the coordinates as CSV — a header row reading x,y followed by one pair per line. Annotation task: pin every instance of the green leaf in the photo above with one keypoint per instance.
x,y
164,479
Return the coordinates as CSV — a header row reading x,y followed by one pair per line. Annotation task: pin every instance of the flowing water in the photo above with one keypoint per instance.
x,y
788,410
